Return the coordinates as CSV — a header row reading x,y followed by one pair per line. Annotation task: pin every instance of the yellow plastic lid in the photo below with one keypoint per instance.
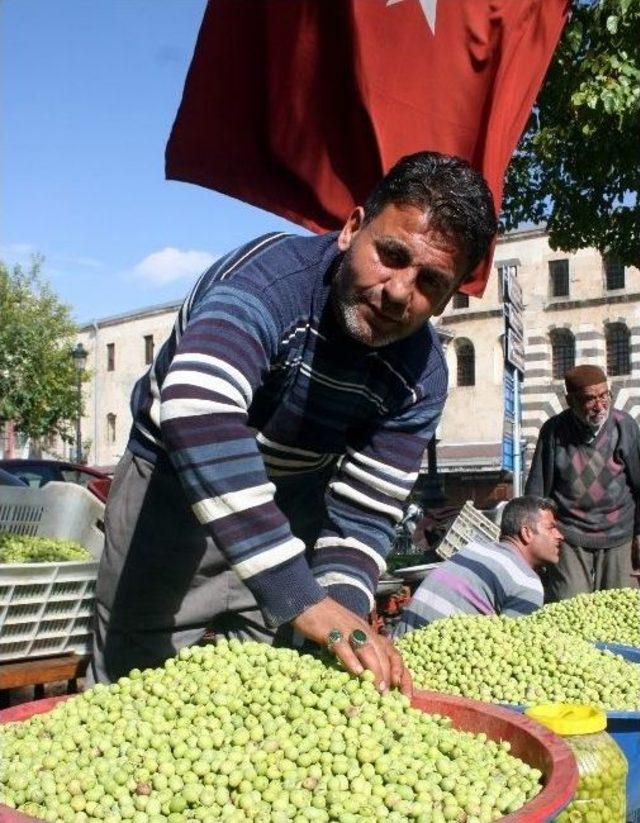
x,y
569,718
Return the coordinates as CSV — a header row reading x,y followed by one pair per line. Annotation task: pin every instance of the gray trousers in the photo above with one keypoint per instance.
x,y
162,581
583,570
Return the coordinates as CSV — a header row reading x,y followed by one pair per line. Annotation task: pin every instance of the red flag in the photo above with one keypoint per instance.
x,y
300,106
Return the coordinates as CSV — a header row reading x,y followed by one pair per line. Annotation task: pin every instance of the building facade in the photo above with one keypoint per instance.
x,y
120,351
579,308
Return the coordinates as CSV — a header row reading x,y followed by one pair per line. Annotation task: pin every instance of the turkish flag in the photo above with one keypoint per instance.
x,y
300,106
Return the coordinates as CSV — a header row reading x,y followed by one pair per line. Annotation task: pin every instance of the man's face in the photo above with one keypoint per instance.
x,y
396,273
591,405
544,546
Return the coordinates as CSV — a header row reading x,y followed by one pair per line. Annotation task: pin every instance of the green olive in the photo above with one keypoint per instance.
x,y
243,731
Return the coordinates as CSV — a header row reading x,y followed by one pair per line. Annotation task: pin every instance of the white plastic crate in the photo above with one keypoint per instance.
x,y
46,608
469,525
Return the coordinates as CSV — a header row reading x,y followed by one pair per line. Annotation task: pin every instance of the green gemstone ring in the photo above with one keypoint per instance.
x,y
334,636
358,639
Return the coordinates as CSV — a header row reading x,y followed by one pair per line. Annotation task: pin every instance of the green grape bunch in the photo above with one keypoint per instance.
x,y
608,616
21,548
517,660
243,731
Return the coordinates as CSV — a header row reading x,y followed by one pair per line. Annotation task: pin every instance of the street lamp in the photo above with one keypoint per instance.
x,y
79,355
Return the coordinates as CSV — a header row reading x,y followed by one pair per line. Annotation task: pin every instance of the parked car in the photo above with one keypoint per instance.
x,y
37,473
7,479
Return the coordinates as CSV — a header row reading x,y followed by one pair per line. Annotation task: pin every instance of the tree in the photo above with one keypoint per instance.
x,y
38,380
577,166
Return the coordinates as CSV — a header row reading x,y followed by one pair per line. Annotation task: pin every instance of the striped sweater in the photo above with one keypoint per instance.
x,y
257,381
482,578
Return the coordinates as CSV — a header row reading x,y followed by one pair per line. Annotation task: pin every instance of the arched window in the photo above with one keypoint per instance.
x,y
563,352
618,349
466,356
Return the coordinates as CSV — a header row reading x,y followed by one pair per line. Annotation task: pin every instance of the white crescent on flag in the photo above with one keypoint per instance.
x,y
428,9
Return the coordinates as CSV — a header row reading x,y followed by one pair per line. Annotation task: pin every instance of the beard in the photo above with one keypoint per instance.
x,y
592,419
348,310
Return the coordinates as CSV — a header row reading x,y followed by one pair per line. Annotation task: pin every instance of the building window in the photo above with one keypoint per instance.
x,y
618,349
614,273
111,356
563,352
111,428
460,300
148,349
466,357
503,275
559,277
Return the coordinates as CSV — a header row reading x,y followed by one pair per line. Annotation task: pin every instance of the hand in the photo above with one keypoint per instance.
x,y
635,553
378,655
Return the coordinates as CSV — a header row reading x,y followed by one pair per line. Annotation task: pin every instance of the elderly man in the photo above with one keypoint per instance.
x,y
281,427
587,460
486,578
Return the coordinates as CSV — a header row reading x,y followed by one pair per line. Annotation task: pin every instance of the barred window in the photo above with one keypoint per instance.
x,y
559,277
460,300
563,352
618,349
466,357
614,273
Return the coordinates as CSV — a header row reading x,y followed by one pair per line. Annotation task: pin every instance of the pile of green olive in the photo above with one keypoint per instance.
x,y
243,731
516,660
608,616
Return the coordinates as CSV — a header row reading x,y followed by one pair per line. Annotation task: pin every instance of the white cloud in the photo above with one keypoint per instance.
x,y
171,264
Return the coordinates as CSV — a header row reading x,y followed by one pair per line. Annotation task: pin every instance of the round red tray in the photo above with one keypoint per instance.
x,y
529,741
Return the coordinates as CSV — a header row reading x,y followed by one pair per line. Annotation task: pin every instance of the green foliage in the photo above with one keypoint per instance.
x,y
577,164
37,376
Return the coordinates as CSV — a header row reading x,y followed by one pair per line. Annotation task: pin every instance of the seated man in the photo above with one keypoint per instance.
x,y
492,578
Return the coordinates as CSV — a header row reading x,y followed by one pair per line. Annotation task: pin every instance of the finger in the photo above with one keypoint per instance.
x,y
377,662
406,683
396,665
345,654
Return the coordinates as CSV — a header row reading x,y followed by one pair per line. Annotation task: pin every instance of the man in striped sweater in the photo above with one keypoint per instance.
x,y
492,578
281,427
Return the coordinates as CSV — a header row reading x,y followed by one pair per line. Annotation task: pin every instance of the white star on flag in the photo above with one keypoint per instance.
x,y
428,9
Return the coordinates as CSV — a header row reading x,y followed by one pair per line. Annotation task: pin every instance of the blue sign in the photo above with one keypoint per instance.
x,y
507,453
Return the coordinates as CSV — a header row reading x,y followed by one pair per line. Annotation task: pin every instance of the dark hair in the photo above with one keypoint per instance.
x,y
456,196
523,511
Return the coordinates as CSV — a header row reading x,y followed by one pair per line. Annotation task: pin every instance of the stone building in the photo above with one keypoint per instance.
x,y
120,350
578,309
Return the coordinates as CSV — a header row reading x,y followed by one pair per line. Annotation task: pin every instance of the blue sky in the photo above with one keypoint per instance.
x,y
89,90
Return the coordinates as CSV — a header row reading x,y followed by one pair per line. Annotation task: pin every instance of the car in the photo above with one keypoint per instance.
x,y
37,473
7,479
